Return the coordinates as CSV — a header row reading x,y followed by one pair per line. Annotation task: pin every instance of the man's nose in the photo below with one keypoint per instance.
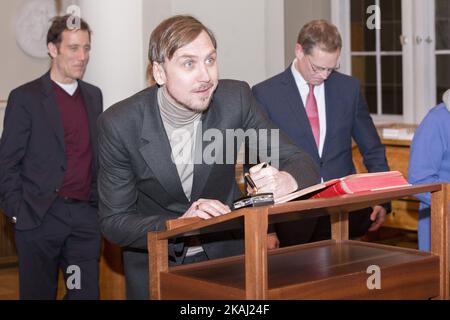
x,y
204,75
325,74
83,55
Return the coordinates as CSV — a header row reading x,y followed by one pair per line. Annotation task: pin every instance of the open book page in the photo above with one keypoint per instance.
x,y
305,191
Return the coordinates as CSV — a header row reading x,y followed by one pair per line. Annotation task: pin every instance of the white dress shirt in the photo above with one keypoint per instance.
x,y
319,93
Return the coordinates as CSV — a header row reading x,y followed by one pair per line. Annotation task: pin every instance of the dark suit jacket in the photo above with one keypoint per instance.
x,y
347,117
139,187
32,151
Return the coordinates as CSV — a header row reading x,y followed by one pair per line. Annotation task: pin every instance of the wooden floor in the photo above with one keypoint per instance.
x,y
9,284
9,279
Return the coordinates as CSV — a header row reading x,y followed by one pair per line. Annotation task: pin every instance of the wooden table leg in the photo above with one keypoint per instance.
x,y
256,278
158,262
440,225
339,225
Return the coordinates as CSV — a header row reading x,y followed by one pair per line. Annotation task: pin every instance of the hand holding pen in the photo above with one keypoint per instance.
x,y
264,178
252,188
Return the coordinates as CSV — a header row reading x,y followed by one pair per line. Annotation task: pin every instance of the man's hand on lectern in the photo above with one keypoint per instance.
x,y
206,209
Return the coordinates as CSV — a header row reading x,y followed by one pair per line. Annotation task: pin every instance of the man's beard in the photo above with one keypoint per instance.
x,y
196,107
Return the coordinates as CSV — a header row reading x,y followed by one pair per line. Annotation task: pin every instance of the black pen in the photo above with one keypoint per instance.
x,y
250,182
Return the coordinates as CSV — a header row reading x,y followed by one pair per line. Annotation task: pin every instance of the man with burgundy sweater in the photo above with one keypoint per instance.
x,y
48,168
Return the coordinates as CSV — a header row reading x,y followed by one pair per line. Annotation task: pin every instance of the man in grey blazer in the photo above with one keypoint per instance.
x,y
155,159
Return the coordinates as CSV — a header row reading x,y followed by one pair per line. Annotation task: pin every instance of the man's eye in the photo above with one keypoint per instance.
x,y
188,64
210,61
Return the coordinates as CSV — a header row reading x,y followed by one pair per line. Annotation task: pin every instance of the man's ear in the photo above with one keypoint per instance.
x,y
52,49
299,51
446,99
159,73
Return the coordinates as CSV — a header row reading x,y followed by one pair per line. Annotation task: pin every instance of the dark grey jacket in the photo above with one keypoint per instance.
x,y
32,151
139,187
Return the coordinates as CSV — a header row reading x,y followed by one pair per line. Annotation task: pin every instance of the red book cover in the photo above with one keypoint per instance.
x,y
332,191
364,182
350,184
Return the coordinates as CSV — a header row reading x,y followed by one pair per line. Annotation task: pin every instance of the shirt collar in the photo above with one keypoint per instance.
x,y
299,80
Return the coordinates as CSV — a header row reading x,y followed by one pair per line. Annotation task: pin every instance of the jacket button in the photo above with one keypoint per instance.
x,y
56,190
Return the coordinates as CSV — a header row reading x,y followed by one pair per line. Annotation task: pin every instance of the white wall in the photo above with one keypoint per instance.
x,y
249,33
116,63
274,40
2,114
153,12
238,27
16,67
297,13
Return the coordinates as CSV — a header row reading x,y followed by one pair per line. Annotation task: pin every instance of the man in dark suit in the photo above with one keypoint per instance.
x,y
48,170
321,110
155,159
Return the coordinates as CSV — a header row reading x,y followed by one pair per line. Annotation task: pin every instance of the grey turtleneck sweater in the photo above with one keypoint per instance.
x,y
181,125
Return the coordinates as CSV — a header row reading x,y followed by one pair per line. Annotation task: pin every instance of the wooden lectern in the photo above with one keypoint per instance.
x,y
334,269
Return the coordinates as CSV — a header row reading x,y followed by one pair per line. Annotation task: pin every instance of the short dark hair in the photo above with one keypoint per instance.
x,y
174,33
321,34
59,24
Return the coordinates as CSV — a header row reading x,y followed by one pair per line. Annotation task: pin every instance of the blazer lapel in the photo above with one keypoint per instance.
x,y
201,169
51,109
329,110
297,107
156,150
92,118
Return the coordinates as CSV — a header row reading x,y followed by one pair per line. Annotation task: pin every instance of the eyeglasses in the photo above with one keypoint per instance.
x,y
317,69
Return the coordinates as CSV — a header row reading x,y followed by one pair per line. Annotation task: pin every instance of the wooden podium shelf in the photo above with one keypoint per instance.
x,y
332,269
326,270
